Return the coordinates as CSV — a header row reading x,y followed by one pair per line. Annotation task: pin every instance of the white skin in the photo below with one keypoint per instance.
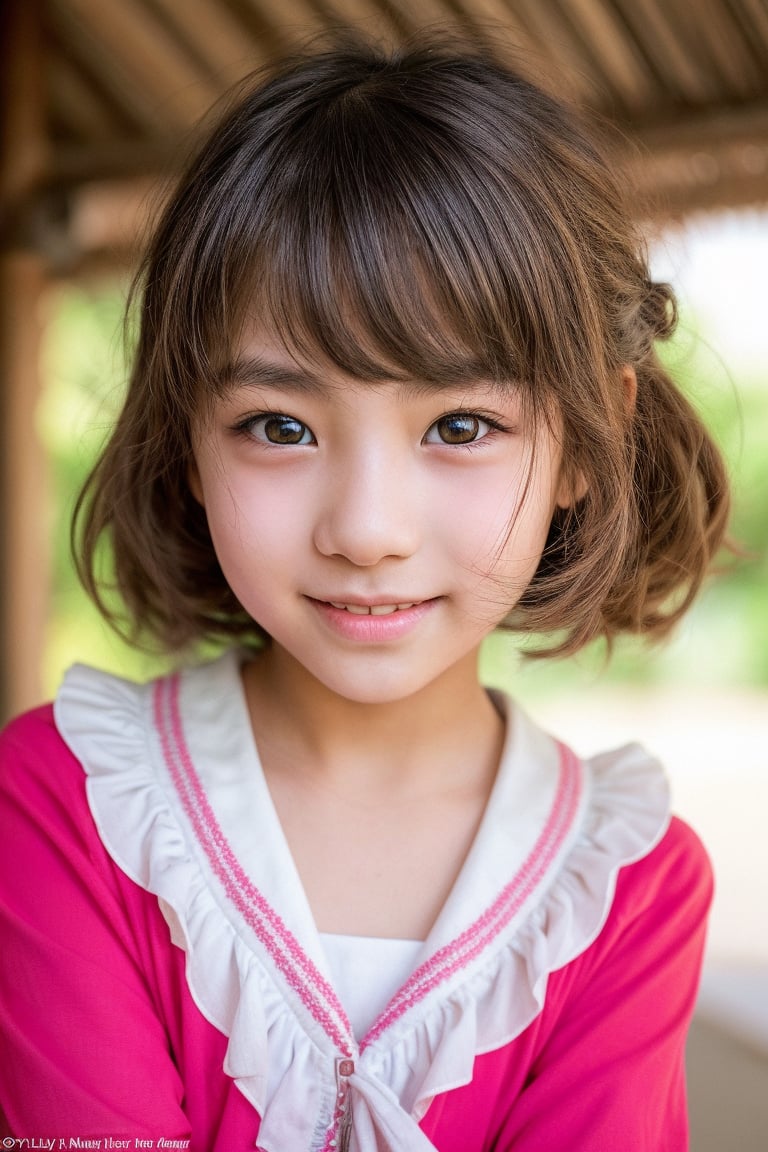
x,y
379,750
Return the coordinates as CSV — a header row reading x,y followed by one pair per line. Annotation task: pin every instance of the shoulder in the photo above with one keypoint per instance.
x,y
30,730
676,872
646,867
644,962
35,762
680,852
46,781
46,819
661,903
678,865
48,839
46,826
51,842
663,862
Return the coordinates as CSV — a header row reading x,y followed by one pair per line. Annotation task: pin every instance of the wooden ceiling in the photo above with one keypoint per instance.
x,y
125,83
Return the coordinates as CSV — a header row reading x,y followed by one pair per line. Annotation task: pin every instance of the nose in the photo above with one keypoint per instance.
x,y
370,511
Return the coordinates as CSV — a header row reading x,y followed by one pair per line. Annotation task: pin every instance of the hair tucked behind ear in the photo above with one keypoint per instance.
x,y
427,215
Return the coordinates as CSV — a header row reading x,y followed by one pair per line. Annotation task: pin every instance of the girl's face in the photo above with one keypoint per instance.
x,y
376,532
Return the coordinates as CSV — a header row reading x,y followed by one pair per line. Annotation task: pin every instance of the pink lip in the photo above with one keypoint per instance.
x,y
373,629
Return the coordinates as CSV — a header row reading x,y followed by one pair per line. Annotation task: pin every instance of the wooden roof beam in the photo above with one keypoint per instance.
x,y
75,164
425,15
702,128
664,46
24,546
289,21
719,38
701,162
753,17
510,35
575,78
130,33
112,74
605,38
379,21
73,102
215,37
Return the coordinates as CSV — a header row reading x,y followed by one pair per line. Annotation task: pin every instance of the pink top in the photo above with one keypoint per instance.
x,y
547,1009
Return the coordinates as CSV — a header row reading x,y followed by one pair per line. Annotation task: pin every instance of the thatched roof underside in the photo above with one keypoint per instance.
x,y
127,82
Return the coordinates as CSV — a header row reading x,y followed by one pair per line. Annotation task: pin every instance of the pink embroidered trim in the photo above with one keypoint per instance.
x,y
471,942
290,958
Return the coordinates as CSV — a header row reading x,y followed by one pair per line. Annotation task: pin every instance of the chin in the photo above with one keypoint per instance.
x,y
376,684
362,692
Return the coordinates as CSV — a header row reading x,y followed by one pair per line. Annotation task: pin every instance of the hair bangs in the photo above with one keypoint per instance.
x,y
371,255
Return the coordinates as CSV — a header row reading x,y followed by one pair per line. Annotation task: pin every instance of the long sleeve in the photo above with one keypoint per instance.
x,y
84,1049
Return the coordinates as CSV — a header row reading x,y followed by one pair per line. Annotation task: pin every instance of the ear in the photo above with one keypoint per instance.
x,y
629,383
193,479
572,487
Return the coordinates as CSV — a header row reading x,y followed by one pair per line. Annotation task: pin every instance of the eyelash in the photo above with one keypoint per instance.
x,y
245,428
492,424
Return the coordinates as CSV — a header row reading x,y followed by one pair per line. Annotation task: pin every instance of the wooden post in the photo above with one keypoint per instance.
x,y
24,563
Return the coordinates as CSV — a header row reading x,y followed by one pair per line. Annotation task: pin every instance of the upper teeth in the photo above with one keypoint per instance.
x,y
372,609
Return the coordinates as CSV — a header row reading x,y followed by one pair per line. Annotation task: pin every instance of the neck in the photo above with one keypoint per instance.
x,y
411,745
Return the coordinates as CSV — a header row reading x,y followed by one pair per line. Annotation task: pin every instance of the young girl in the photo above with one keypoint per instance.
x,y
395,387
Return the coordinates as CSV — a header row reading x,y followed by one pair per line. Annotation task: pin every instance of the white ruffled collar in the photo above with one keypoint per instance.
x,y
174,781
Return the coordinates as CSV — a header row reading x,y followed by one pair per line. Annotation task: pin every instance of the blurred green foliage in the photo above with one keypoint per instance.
x,y
84,372
723,641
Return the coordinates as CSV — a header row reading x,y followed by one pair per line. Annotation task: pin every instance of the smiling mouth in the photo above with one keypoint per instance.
x,y
373,609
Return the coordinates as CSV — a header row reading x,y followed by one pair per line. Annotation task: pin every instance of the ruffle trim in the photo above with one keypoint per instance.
x,y
287,1074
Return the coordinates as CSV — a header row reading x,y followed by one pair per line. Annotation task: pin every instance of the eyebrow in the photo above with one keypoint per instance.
x,y
258,371
253,371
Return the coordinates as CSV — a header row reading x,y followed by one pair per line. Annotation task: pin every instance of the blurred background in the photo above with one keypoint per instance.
x,y
102,99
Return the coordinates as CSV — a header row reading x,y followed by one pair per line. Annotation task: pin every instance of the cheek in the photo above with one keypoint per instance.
x,y
251,526
494,522
251,543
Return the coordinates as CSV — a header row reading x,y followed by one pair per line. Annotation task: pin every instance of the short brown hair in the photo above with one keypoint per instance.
x,y
425,213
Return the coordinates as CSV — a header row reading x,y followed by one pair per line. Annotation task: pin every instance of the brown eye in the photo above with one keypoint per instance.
x,y
457,428
276,429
